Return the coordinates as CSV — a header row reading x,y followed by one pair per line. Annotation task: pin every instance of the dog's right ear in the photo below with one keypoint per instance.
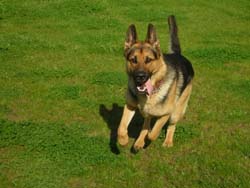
x,y
131,38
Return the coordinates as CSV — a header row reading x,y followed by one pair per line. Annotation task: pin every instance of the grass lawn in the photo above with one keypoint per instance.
x,y
62,88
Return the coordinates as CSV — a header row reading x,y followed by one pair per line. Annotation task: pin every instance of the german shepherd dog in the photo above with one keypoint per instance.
x,y
159,85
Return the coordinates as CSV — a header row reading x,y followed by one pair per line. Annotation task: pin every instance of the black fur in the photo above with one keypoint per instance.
x,y
180,64
174,40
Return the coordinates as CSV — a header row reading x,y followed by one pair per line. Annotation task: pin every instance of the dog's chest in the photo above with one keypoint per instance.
x,y
149,106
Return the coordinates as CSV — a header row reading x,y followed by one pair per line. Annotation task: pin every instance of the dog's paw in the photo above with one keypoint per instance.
x,y
139,144
167,144
123,140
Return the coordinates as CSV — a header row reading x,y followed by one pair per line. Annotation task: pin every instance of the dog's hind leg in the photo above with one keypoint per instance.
x,y
168,142
127,116
177,115
140,142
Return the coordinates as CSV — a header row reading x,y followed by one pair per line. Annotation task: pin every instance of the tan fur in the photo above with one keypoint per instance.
x,y
140,142
128,114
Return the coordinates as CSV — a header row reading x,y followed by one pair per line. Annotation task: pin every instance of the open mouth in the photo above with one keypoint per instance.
x,y
142,88
146,87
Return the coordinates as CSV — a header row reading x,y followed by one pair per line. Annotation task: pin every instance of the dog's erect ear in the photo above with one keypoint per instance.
x,y
131,37
151,38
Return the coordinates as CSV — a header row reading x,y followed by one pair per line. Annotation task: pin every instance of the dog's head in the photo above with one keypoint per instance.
x,y
142,57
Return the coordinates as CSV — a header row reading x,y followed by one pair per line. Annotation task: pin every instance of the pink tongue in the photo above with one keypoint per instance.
x,y
149,86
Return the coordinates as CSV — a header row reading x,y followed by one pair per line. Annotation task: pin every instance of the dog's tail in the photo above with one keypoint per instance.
x,y
174,46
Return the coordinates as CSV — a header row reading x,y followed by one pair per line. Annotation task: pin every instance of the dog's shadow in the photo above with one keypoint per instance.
x,y
113,117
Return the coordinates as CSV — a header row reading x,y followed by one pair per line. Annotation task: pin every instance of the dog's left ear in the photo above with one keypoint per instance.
x,y
151,38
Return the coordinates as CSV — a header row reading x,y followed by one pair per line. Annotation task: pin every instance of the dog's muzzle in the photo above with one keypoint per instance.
x,y
140,77
143,82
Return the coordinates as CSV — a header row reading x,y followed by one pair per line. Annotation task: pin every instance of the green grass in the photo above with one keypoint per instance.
x,y
62,87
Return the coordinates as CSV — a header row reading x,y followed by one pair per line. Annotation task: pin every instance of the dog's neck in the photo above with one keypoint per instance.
x,y
159,76
160,72
157,86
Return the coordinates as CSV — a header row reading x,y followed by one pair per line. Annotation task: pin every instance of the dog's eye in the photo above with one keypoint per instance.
x,y
133,60
148,60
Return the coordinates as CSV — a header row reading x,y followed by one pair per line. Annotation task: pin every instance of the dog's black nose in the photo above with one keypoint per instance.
x,y
140,77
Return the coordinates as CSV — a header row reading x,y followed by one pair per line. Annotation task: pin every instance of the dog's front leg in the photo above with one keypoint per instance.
x,y
127,116
140,142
